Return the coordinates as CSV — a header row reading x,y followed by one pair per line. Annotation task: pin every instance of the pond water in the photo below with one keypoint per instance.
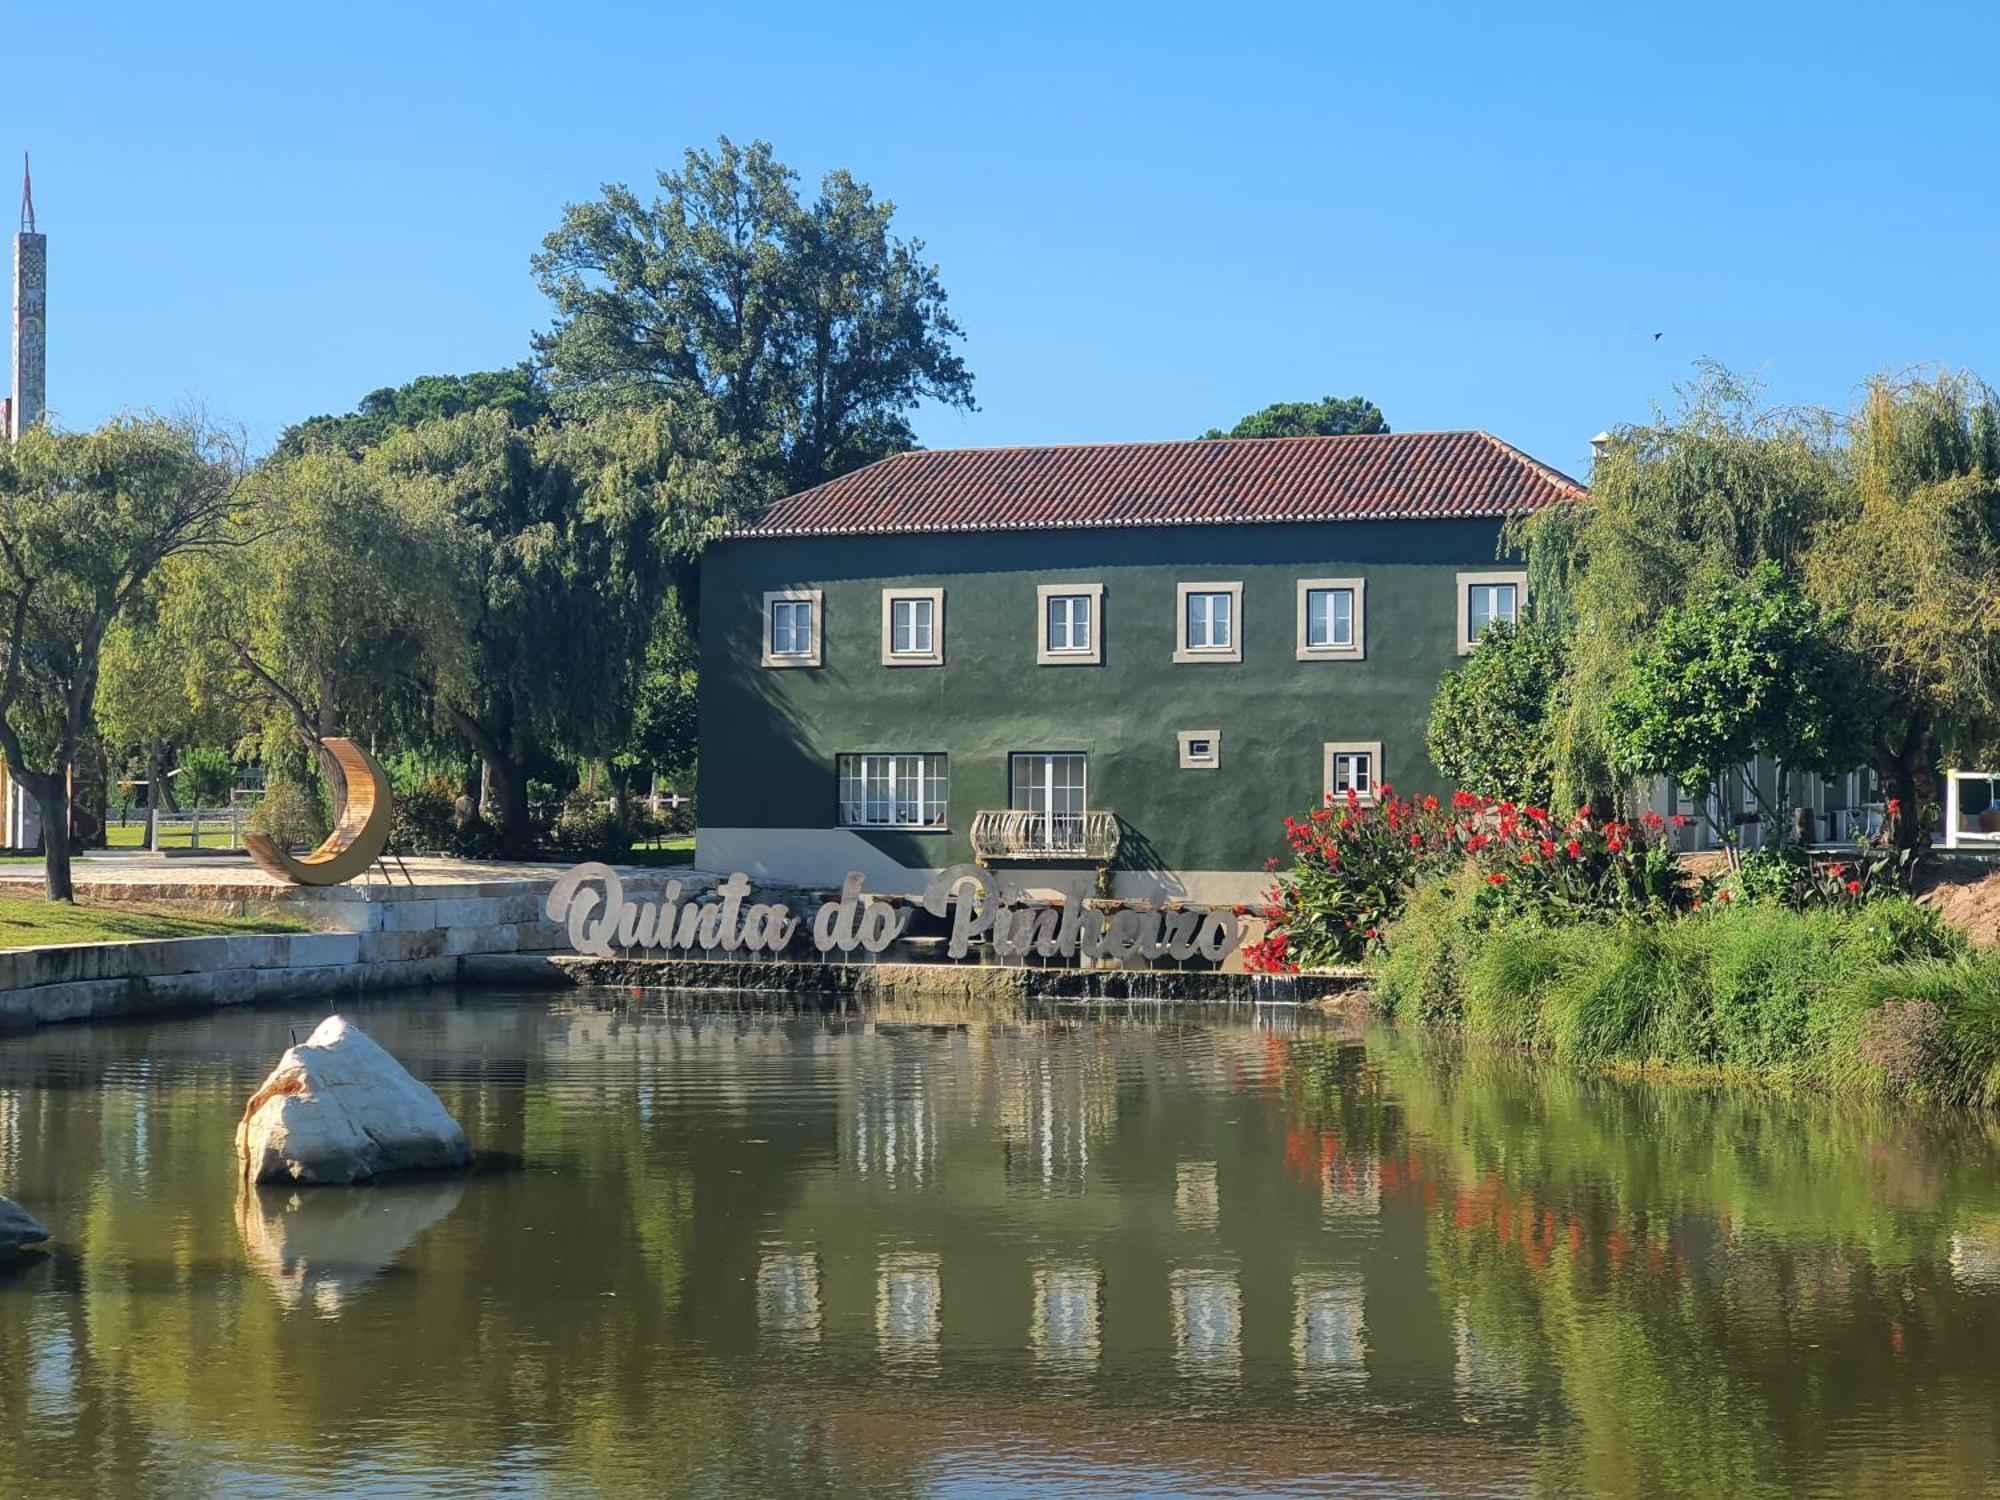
x,y
720,1252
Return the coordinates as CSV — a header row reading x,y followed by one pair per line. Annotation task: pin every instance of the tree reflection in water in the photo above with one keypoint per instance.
x,y
758,1254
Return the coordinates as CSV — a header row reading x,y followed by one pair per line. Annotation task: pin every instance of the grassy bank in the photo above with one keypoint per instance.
x,y
1880,997
29,921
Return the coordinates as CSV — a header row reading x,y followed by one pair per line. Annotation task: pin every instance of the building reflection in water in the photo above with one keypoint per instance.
x,y
909,1308
1208,1321
1329,1327
1052,1106
1350,1191
1065,1330
1197,1195
890,1118
788,1297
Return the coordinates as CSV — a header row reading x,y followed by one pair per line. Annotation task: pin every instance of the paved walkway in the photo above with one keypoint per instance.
x,y
99,867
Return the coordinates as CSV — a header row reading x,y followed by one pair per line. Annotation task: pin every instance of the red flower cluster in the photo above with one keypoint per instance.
x,y
1354,862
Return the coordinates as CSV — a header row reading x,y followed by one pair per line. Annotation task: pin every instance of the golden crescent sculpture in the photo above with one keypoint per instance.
x,y
357,840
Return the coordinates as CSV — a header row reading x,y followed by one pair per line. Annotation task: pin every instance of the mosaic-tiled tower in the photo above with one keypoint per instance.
x,y
31,307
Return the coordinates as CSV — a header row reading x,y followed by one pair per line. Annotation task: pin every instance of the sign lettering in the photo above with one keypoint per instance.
x,y
590,903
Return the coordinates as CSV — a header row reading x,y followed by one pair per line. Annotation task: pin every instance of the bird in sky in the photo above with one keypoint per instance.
x,y
1658,336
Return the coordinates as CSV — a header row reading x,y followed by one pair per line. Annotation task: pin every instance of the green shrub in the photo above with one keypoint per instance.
x,y
290,814
426,821
206,776
587,830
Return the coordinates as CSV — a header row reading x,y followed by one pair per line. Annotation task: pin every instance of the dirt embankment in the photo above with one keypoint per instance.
x,y
1967,896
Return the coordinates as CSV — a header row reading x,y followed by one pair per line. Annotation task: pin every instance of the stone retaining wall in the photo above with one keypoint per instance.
x,y
379,937
372,937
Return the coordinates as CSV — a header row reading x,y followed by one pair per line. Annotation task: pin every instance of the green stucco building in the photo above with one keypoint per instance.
x,y
1135,656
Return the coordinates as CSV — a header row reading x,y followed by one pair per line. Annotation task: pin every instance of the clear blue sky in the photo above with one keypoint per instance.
x,y
1149,219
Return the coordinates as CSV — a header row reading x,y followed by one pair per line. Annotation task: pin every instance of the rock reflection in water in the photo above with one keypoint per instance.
x,y
767,1255
322,1246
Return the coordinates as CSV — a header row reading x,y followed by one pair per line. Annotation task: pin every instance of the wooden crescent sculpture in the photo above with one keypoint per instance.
x,y
357,840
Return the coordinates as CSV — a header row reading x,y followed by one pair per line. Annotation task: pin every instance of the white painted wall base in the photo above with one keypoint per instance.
x,y
823,857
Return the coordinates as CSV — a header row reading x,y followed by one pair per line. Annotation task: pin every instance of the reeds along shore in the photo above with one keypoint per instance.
x,y
1880,997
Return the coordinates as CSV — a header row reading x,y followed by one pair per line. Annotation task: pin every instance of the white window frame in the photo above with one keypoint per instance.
x,y
1372,749
1210,761
1079,834
922,757
894,658
1046,655
1183,652
1467,582
795,658
1356,647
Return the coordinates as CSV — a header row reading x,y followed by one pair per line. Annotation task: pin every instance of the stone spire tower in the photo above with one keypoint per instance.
x,y
31,308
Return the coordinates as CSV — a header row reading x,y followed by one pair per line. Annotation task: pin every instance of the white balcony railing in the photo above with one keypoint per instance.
x,y
1037,835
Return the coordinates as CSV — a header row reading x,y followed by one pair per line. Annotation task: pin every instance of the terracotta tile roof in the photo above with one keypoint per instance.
x,y
1381,476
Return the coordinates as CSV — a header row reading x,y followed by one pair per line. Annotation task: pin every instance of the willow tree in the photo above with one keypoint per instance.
x,y
547,554
307,629
86,521
1690,502
1913,565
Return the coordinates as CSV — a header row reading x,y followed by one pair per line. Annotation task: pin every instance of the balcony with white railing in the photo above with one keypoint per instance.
x,y
1039,835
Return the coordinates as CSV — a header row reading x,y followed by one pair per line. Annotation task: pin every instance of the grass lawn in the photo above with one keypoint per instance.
x,y
214,835
668,851
29,921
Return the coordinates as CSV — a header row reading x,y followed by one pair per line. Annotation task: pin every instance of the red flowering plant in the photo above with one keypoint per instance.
x,y
1355,863
1581,868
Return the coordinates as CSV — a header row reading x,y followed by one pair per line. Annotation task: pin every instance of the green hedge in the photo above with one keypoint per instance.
x,y
1880,996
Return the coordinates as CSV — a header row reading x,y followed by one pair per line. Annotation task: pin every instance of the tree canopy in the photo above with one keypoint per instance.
x,y
86,521
516,390
809,328
1491,722
1748,669
1330,416
1692,501
1912,564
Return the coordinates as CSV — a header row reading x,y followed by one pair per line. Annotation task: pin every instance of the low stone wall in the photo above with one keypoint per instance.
x,y
371,937
376,937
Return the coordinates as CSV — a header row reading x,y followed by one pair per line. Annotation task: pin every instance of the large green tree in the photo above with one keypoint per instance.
x,y
550,551
516,390
1692,501
312,627
1492,722
1912,564
1330,416
86,521
1745,670
810,328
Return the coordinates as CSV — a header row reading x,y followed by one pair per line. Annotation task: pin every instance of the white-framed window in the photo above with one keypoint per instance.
x,y
792,628
1353,765
1069,624
1052,786
1484,598
1210,627
894,790
912,627
1201,749
1330,619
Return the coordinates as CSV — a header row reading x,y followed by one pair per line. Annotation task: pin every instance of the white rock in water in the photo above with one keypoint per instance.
x,y
18,1228
339,1109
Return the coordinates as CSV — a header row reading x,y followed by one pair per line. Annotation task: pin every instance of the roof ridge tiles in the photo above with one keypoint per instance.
x,y
1463,473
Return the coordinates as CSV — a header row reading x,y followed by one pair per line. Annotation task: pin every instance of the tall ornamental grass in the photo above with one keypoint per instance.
x,y
1881,996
